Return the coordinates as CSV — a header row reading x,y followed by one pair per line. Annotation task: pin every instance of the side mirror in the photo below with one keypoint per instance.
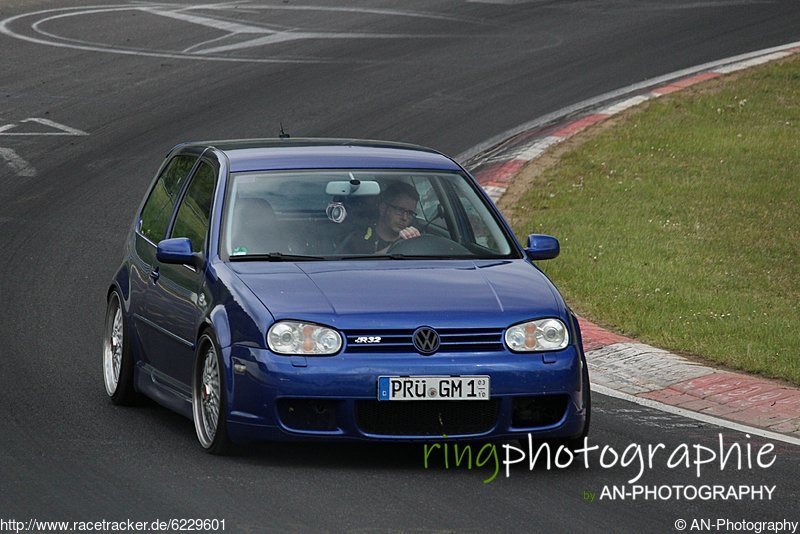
x,y
178,250
542,247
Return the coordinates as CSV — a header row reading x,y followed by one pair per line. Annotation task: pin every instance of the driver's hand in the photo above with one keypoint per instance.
x,y
409,233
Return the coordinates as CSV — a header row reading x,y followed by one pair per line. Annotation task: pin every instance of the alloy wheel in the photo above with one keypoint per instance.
x,y
113,345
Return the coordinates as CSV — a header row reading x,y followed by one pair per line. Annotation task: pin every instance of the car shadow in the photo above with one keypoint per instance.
x,y
351,455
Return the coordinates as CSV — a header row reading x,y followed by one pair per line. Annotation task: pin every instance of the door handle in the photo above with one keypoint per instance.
x,y
154,274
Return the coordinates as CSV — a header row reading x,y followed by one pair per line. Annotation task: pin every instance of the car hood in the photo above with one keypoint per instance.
x,y
403,294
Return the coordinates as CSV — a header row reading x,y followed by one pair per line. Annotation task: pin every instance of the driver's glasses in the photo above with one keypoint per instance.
x,y
402,212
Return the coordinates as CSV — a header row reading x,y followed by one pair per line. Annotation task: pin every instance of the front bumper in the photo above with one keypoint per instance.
x,y
335,398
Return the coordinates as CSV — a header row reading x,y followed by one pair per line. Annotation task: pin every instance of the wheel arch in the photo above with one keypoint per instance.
x,y
217,322
122,283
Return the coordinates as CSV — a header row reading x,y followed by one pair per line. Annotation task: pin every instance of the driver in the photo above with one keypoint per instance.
x,y
396,212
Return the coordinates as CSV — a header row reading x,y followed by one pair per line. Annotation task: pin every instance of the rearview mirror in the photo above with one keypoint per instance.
x,y
542,247
353,188
178,250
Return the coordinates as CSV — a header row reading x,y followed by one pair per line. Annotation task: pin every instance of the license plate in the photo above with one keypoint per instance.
x,y
410,388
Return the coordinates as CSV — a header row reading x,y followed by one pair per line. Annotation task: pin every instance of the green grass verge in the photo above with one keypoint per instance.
x,y
680,225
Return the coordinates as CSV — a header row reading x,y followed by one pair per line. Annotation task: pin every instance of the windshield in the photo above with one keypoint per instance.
x,y
296,215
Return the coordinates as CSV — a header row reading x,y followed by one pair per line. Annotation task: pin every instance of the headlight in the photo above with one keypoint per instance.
x,y
544,334
294,337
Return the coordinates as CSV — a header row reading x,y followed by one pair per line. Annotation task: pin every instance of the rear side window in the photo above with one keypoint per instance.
x,y
195,209
158,208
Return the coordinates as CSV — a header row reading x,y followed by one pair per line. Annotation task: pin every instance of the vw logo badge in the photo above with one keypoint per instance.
x,y
426,340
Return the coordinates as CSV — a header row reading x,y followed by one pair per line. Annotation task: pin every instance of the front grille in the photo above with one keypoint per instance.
x,y
427,418
452,340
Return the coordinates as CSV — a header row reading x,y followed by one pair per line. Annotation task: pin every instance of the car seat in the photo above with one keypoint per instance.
x,y
255,228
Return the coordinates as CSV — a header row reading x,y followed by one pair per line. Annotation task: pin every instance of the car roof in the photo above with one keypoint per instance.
x,y
304,153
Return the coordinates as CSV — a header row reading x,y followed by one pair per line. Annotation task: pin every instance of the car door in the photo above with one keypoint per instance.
x,y
150,228
177,300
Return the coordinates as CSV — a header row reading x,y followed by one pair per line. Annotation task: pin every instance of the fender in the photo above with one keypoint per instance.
x,y
217,319
121,282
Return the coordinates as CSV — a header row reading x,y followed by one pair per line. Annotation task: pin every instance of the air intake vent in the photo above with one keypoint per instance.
x,y
427,418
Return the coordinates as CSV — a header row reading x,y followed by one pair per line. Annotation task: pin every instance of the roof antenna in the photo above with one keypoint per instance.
x,y
283,135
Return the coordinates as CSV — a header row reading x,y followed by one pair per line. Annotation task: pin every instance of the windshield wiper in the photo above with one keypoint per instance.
x,y
276,256
402,257
364,257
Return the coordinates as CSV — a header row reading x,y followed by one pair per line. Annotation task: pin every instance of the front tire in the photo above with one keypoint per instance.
x,y
117,358
209,406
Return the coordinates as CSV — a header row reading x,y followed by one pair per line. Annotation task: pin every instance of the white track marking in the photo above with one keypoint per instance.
x,y
206,43
63,129
217,24
281,37
710,419
67,130
82,45
19,165
180,12
361,11
268,36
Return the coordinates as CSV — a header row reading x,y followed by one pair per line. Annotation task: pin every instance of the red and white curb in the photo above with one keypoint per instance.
x,y
496,167
635,371
619,366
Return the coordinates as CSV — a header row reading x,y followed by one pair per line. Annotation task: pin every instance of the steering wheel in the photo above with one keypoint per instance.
x,y
428,245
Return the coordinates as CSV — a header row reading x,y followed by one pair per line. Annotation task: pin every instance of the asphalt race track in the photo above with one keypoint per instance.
x,y
91,98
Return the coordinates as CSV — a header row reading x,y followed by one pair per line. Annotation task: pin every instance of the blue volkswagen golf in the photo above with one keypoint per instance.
x,y
338,290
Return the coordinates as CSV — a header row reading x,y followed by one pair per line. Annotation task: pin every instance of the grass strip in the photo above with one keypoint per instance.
x,y
680,221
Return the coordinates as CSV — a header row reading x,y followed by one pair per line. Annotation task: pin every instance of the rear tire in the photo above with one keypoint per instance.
x,y
209,405
117,357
